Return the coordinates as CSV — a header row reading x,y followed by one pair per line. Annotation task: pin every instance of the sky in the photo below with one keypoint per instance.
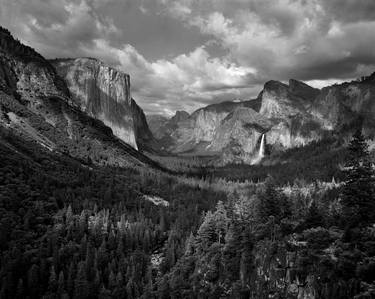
x,y
185,54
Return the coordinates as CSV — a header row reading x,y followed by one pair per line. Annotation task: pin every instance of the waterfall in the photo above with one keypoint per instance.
x,y
260,155
261,149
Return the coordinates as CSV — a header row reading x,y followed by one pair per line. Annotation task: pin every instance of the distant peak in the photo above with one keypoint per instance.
x,y
180,115
181,112
296,84
302,89
273,84
296,87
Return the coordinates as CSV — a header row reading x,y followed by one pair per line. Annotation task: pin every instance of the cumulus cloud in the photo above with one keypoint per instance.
x,y
56,28
182,54
184,82
309,40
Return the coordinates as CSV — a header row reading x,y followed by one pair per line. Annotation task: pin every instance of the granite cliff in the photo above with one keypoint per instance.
x,y
104,93
287,115
36,104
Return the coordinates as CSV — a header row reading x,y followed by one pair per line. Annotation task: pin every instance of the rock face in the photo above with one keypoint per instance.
x,y
287,106
340,107
162,126
195,132
156,123
287,115
239,135
104,93
35,104
25,72
143,136
234,130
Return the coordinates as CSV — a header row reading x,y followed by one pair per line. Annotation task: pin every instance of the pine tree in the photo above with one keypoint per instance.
x,y
164,290
247,259
190,244
52,281
80,283
111,281
207,232
221,221
231,253
70,280
268,201
89,262
61,284
314,217
102,259
69,215
20,290
33,280
104,293
119,290
358,193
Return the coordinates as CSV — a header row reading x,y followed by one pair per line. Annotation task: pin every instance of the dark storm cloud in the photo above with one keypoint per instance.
x,y
294,38
350,10
56,28
182,54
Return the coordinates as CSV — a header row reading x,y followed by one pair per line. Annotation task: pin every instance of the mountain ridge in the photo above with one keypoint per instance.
x,y
297,114
36,104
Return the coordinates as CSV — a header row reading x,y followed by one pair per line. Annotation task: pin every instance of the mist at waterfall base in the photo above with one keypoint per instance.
x,y
260,155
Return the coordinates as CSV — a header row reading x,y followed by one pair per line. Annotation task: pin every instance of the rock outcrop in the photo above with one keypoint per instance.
x,y
162,126
25,72
287,107
340,107
35,104
143,135
195,132
239,135
104,93
289,115
234,130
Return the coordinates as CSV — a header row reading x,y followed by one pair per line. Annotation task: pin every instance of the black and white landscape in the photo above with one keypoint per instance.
x,y
187,149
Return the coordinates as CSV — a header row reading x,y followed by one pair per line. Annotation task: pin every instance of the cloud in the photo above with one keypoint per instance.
x,y
185,82
182,54
309,40
350,10
57,28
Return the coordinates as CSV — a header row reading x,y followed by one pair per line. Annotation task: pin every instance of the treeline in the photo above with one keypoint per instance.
x,y
278,246
319,160
10,45
71,231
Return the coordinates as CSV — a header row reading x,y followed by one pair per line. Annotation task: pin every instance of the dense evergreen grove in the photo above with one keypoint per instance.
x,y
318,160
73,232
69,230
319,246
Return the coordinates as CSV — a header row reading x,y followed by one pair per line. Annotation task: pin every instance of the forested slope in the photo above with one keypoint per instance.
x,y
69,231
299,242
